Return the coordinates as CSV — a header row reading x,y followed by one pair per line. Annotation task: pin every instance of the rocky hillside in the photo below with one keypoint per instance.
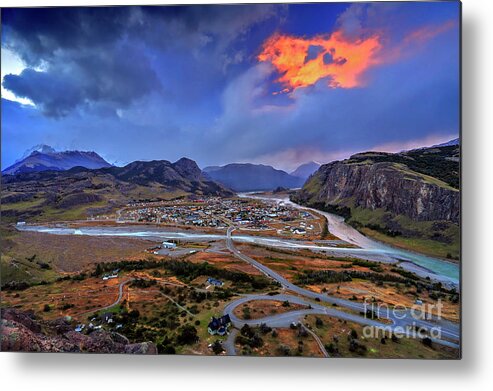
x,y
80,192
23,332
44,158
414,194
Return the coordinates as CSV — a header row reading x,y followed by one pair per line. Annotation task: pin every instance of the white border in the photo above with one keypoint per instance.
x,y
475,371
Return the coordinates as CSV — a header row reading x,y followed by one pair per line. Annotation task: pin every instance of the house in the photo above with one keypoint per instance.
x,y
213,281
107,317
168,245
219,326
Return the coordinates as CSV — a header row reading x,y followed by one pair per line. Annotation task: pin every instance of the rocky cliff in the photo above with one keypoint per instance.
x,y
387,186
22,332
412,194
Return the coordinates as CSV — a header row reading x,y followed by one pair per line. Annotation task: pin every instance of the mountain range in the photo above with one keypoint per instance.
x,y
45,158
79,192
236,176
251,177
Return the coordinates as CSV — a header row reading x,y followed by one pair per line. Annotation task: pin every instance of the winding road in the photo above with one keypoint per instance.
x,y
401,321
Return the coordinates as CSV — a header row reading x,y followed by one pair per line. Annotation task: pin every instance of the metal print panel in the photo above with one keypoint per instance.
x,y
259,180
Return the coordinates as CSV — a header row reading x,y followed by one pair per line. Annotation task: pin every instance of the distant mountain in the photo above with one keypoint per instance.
x,y
450,143
43,148
101,190
184,174
45,158
305,170
250,177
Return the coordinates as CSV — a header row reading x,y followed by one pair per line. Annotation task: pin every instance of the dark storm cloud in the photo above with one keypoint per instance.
x,y
117,77
82,55
104,55
41,34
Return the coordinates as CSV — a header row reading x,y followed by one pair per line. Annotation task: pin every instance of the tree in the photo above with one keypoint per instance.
x,y
134,314
217,347
247,331
264,329
46,308
188,335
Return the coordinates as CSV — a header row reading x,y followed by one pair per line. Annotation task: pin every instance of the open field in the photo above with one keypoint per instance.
x,y
337,334
72,253
261,308
281,342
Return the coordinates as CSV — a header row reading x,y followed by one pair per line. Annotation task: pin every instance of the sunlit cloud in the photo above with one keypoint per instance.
x,y
12,65
301,62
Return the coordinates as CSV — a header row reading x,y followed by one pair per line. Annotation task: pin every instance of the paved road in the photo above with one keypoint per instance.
x,y
229,344
400,320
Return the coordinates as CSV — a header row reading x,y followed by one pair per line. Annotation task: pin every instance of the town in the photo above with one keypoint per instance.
x,y
219,213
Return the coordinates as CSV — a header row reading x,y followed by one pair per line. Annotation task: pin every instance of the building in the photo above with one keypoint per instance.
x,y
168,245
219,326
213,281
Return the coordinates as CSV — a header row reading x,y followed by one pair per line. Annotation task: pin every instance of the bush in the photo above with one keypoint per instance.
x,y
356,347
427,342
331,348
264,329
247,331
283,350
217,347
165,349
46,308
188,335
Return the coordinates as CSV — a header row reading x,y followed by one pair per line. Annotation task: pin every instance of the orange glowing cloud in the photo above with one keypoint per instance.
x,y
301,62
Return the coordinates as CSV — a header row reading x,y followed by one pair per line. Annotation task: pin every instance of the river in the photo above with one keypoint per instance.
x,y
338,227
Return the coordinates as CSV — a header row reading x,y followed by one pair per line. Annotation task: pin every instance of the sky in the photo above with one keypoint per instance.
x,y
275,84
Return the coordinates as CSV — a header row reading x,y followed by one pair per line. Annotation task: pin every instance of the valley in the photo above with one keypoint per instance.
x,y
161,254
